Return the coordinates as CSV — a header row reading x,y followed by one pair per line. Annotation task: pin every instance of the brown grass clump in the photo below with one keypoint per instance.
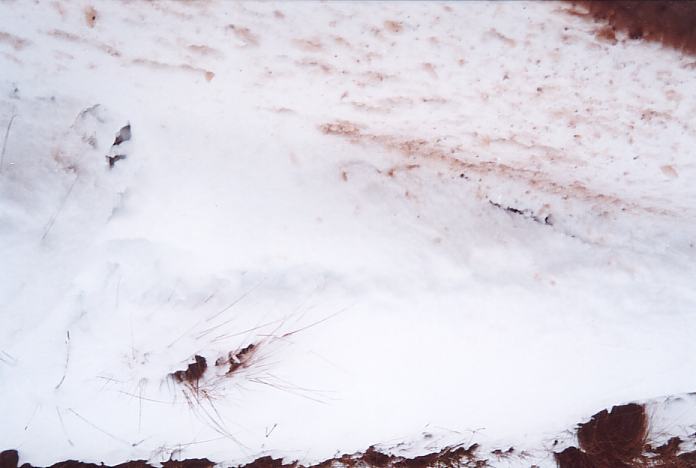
x,y
238,359
673,23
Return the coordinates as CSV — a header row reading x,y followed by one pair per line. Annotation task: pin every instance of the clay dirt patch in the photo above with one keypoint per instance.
x,y
619,439
672,23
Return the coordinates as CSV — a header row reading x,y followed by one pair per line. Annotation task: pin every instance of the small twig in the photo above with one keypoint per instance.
x,y
287,389
38,407
118,290
202,441
140,403
67,360
132,340
141,398
98,428
60,208
7,358
84,112
107,381
268,433
208,419
313,324
236,301
4,143
244,332
210,296
62,424
225,309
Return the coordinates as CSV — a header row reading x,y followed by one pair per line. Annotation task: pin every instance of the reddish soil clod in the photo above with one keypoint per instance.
x,y
609,439
193,372
9,459
616,436
669,22
267,462
618,439
190,463
374,458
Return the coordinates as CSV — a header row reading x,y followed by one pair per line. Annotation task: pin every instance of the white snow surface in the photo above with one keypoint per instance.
x,y
329,181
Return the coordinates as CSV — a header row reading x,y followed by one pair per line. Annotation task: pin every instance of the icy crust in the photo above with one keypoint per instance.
x,y
473,220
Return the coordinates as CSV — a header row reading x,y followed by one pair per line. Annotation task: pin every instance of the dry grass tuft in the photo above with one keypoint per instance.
x,y
240,359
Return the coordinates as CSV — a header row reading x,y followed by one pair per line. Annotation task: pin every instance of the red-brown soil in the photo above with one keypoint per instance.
x,y
610,439
618,439
673,23
193,372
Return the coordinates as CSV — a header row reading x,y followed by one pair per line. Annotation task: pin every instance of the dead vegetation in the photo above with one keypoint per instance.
x,y
240,359
235,361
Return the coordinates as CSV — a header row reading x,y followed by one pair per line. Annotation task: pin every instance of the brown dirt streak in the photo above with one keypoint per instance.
x,y
16,42
70,37
420,148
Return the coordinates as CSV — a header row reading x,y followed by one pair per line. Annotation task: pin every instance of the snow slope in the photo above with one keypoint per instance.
x,y
440,223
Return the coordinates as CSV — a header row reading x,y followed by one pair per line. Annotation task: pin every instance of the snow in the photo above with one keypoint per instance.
x,y
322,178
